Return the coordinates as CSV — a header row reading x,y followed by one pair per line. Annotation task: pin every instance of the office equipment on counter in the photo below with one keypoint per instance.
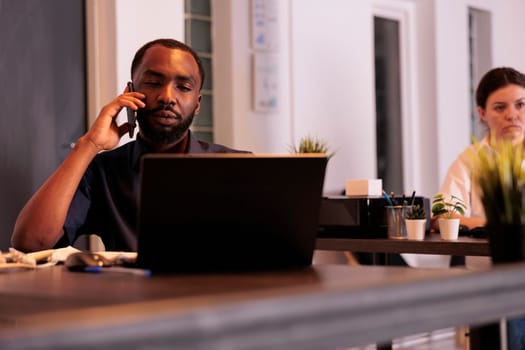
x,y
228,212
359,217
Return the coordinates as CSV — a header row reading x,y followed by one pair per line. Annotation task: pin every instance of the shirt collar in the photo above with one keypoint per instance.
x,y
139,149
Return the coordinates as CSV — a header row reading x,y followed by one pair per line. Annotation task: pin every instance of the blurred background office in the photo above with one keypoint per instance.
x,y
387,84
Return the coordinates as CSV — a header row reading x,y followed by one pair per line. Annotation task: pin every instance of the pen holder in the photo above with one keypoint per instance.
x,y
395,218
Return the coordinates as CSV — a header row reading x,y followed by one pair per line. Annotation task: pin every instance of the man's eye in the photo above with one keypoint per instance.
x,y
520,105
184,88
151,83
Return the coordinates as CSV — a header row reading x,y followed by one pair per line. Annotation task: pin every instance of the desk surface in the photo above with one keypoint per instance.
x,y
433,244
325,306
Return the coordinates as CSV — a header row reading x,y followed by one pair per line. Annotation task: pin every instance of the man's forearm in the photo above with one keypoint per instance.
x,y
40,222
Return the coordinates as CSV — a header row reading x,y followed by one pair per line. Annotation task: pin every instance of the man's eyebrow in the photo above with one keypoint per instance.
x,y
184,78
179,77
150,72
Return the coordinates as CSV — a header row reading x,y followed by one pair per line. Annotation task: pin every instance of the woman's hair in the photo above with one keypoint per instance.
x,y
497,78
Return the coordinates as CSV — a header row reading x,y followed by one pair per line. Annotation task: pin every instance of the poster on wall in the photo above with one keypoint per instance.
x,y
265,82
264,25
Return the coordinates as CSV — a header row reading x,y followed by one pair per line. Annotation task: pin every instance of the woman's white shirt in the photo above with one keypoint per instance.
x,y
459,182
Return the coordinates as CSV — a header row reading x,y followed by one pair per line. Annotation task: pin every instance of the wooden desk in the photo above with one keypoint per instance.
x,y
433,244
323,307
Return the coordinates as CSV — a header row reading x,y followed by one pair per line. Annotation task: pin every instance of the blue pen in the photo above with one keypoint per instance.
x,y
116,269
387,197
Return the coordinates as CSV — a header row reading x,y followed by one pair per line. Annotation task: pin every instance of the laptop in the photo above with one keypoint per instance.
x,y
228,212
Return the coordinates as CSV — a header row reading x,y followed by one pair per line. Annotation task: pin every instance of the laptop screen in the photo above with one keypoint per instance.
x,y
228,212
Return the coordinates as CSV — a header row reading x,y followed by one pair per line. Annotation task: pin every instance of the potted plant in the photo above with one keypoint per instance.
x,y
499,173
446,209
416,221
310,144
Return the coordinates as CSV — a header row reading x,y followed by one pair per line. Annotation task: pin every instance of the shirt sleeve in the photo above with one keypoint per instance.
x,y
458,181
78,211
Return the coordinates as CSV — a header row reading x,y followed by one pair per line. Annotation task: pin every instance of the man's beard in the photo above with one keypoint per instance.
x,y
162,135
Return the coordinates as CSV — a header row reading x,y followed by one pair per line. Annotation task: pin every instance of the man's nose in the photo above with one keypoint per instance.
x,y
167,95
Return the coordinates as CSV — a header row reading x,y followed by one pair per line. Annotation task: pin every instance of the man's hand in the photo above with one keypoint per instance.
x,y
105,134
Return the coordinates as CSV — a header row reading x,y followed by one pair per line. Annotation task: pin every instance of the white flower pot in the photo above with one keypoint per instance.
x,y
449,229
416,228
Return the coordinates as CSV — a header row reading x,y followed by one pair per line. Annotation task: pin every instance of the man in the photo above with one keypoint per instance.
x,y
95,192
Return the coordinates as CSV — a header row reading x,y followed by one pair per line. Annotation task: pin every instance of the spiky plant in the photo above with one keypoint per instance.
x,y
499,173
416,212
310,144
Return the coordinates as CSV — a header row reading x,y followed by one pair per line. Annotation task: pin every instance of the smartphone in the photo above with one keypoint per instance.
x,y
132,115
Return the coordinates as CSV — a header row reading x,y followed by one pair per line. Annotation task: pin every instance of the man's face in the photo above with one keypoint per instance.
x,y
171,82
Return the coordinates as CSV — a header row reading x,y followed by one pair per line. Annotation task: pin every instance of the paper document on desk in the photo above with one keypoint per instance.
x,y
15,259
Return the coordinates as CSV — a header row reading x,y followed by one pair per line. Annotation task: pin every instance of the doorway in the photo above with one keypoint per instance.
x,y
389,136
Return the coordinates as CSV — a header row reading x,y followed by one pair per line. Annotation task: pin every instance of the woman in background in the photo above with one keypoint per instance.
x,y
500,100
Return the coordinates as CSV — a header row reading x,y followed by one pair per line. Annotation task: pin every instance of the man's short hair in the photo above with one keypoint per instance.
x,y
170,44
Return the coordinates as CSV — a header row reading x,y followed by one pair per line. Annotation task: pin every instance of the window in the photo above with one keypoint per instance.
x,y
198,36
388,104
480,59
397,119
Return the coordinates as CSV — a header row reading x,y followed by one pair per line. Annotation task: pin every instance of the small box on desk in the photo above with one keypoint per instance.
x,y
359,217
364,187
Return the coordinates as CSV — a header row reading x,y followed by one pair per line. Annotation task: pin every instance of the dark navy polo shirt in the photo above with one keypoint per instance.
x,y
106,200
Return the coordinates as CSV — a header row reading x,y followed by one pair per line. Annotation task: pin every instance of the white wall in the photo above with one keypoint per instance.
x,y
508,29
452,81
326,81
333,84
317,96
425,139
331,81
235,121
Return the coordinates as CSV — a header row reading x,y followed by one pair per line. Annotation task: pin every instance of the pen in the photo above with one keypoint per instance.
x,y
413,197
115,269
389,201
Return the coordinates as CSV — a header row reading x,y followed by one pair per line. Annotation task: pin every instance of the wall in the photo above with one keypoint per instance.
x,y
317,97
235,121
333,84
452,81
325,60
330,74
508,29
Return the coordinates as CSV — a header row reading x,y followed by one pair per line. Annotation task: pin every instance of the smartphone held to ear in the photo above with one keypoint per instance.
x,y
132,115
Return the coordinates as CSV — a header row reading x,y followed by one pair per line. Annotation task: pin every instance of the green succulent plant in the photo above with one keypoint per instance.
x,y
416,212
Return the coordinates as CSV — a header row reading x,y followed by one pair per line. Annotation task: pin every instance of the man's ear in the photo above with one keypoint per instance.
x,y
198,108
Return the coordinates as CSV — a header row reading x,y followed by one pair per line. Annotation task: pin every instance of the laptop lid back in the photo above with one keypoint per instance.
x,y
228,212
